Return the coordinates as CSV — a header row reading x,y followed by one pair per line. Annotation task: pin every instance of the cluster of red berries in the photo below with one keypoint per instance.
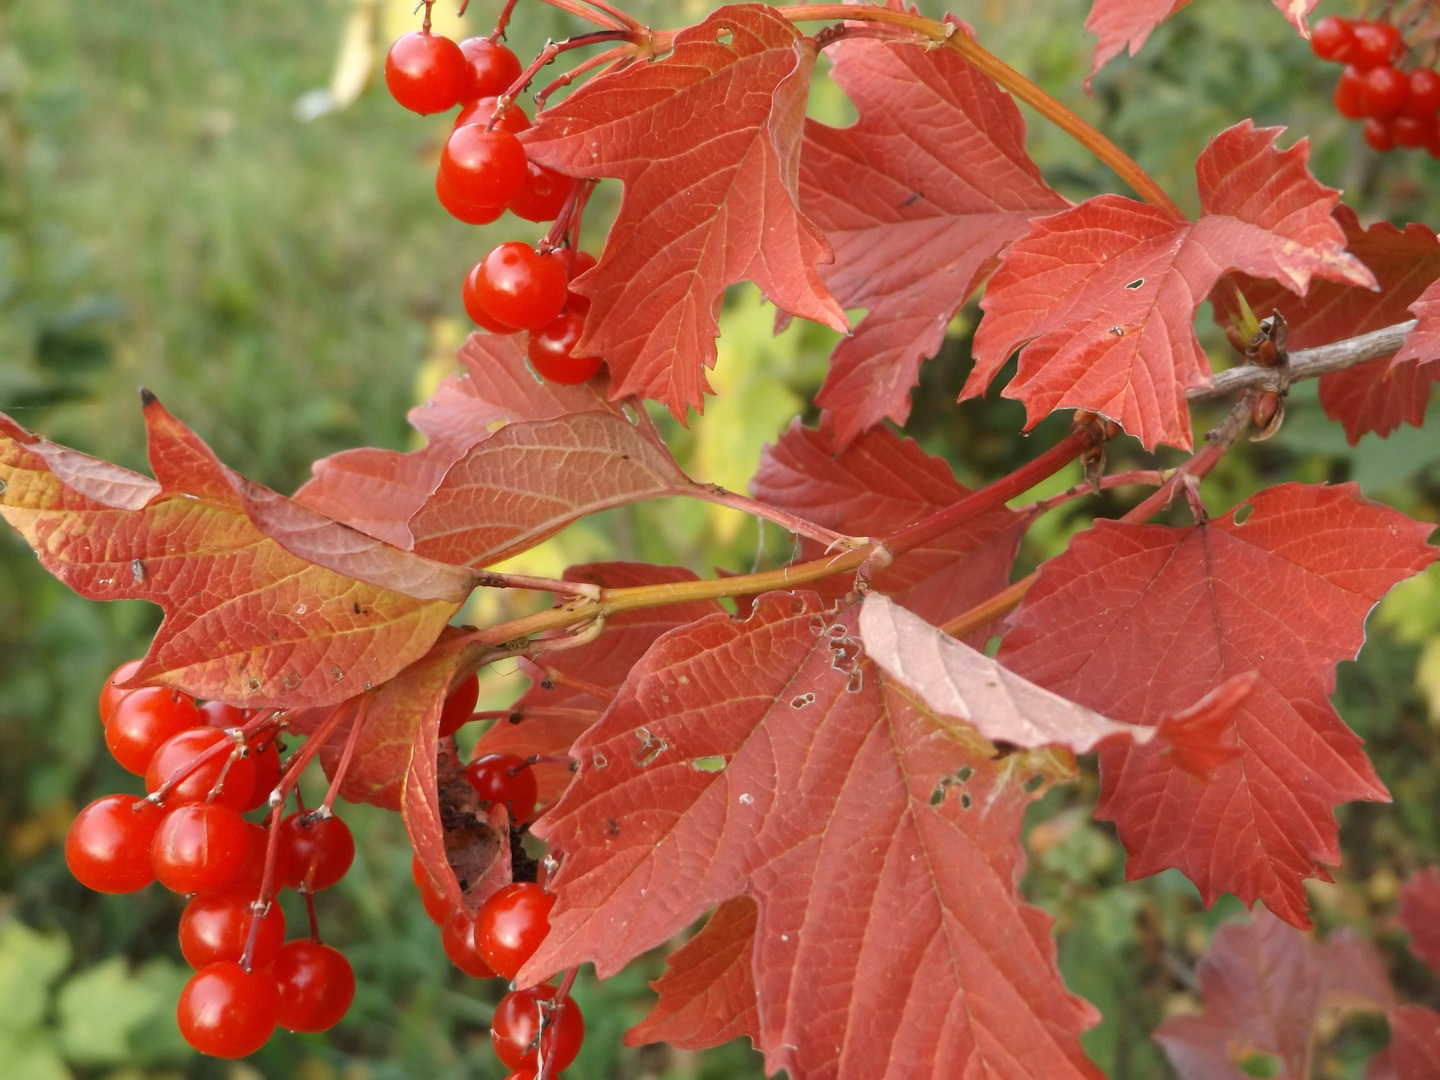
x,y
1399,108
483,171
204,767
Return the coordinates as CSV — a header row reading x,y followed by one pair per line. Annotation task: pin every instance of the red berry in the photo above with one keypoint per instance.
x,y
1374,44
483,167
551,352
459,705
216,927
431,895
511,925
426,72
469,213
108,845
1412,132
575,264
217,714
178,751
520,287
267,774
504,778
313,853
470,296
482,109
110,693
542,196
1332,39
200,848
457,937
1384,91
250,876
1424,98
316,986
515,1028
1379,135
228,1012
1347,94
491,68
143,719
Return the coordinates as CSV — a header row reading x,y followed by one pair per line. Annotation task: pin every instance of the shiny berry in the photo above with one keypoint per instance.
x,y
108,845
1374,44
459,705
504,779
1412,132
515,1028
217,714
266,756
469,213
470,296
457,938
228,1012
491,68
1347,94
232,786
431,895
316,985
1332,38
520,287
575,264
1379,135
250,876
482,109
216,927
1383,92
143,719
313,853
552,351
110,693
426,72
1424,98
542,196
511,925
483,167
200,848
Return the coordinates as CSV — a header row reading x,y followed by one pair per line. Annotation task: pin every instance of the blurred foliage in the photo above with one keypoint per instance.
x,y
289,287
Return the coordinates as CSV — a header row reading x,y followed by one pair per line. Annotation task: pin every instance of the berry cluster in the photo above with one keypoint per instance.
x,y
1399,108
206,765
484,170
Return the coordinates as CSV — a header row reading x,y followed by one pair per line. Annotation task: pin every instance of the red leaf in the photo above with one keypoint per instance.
x,y
1382,394
769,758
266,603
917,199
378,491
707,143
1140,620
1263,985
1420,915
1414,1043
1423,343
707,994
547,722
880,483
955,680
1101,299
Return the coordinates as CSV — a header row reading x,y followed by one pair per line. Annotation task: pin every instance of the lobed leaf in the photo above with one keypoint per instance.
x,y
1414,1052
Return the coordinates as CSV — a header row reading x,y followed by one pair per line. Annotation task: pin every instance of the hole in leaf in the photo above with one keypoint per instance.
x,y
1034,784
712,764
965,800
965,773
1139,281
724,35
1242,512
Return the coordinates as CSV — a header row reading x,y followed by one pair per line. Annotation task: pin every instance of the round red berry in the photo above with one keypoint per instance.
x,y
316,985
1424,97
457,938
1383,91
1332,39
511,925
1379,135
470,296
251,874
431,895
469,213
491,68
110,693
216,927
1374,44
1412,132
575,264
231,785
313,853
217,714
552,351
426,72
504,779
483,167
482,109
459,705
266,756
1347,93
515,1028
108,845
200,848
542,196
228,1012
143,719
520,287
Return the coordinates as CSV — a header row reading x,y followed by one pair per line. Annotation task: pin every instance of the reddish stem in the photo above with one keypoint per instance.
x,y
240,736
552,1020
1149,477
574,7
343,766
714,493
609,56
548,54
556,677
502,22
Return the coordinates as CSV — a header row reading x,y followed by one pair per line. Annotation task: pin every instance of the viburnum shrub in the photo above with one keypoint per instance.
x,y
835,771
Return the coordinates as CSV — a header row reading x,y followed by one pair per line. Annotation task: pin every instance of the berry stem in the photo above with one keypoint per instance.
x,y
610,56
714,493
551,1018
636,39
574,7
556,677
1151,477
502,22
343,766
239,736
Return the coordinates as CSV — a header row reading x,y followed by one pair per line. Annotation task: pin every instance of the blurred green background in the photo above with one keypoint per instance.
x,y
290,287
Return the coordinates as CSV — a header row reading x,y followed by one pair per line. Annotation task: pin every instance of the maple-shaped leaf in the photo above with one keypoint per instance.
x,y
1101,299
1381,394
1263,985
1128,23
1414,1050
378,491
266,603
707,994
770,758
546,720
955,680
707,144
1142,620
1420,915
917,199
882,482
